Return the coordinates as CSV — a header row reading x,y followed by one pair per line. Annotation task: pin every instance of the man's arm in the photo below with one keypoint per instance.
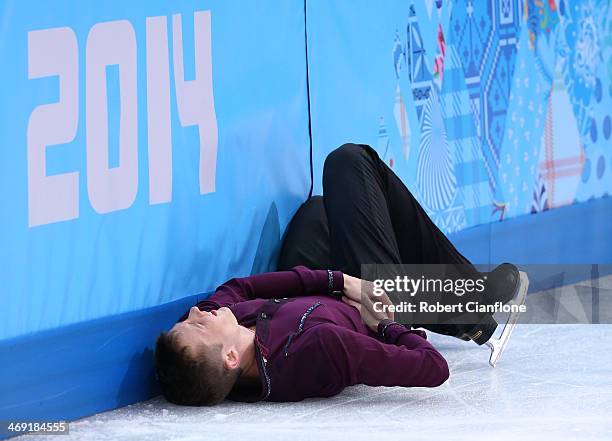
x,y
405,358
299,281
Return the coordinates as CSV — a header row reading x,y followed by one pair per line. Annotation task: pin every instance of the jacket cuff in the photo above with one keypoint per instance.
x,y
335,281
389,331
335,284
385,327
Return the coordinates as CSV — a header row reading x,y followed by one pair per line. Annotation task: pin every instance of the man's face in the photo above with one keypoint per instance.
x,y
209,328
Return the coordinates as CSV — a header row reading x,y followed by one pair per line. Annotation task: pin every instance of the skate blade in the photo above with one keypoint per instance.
x,y
497,345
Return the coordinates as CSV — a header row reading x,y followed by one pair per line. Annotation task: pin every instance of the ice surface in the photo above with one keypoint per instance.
x,y
553,382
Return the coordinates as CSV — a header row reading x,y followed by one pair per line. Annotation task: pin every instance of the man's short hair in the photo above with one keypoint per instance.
x,y
199,379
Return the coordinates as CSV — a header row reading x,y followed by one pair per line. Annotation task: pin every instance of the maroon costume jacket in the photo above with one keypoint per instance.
x,y
310,344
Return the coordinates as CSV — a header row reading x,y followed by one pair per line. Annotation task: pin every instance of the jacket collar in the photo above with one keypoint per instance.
x,y
250,394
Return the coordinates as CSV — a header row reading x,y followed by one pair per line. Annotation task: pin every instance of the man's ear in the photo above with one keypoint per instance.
x,y
231,360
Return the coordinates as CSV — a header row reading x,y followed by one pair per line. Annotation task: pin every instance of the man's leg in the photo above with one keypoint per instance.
x,y
360,226
373,218
365,199
306,241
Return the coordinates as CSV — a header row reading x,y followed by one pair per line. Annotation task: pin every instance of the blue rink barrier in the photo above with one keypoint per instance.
x,y
108,362
131,178
151,150
576,234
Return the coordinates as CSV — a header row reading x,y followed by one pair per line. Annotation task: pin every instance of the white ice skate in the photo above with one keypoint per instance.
x,y
498,345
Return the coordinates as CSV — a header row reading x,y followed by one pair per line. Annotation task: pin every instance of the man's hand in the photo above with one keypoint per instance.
x,y
352,288
360,294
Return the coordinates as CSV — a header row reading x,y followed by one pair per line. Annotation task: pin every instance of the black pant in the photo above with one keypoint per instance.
x,y
366,215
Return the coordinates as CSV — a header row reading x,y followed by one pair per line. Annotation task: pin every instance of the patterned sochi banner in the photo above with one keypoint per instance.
x,y
487,110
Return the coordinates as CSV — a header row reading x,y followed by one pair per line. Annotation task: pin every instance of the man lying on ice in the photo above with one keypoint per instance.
x,y
302,331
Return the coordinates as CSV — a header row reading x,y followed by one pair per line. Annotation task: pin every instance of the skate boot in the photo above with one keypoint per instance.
x,y
501,286
483,331
507,285
504,284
